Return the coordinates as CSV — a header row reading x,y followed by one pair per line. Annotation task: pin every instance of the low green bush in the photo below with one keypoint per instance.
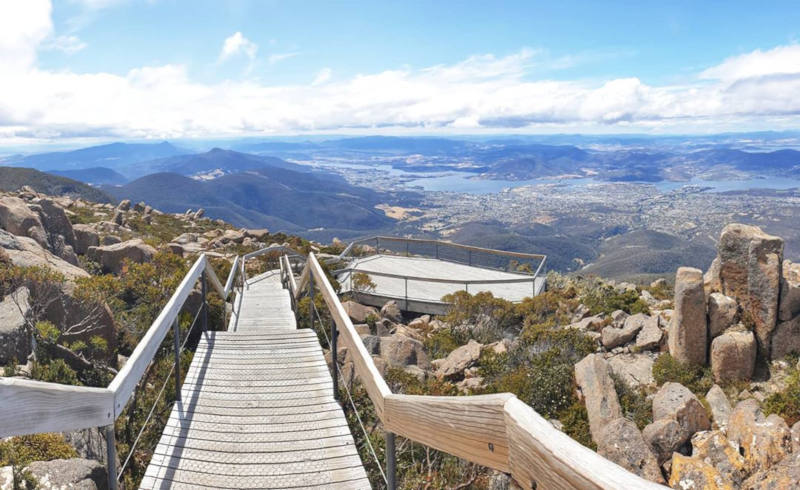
x,y
606,299
786,403
634,403
697,378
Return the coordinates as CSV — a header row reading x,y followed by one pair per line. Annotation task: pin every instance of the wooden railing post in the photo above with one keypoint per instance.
x,y
204,305
334,356
176,332
111,456
390,462
311,297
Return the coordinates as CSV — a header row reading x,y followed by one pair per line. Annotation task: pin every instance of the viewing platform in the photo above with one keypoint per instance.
x,y
418,273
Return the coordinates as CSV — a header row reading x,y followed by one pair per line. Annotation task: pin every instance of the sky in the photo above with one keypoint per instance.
x,y
166,69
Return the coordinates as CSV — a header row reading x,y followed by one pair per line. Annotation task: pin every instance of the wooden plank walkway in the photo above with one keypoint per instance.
x,y
257,408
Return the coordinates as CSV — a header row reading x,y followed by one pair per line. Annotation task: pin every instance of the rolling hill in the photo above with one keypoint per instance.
x,y
204,164
113,155
94,176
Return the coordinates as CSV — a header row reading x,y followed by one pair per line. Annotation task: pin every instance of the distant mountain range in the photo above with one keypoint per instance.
x,y
111,156
95,176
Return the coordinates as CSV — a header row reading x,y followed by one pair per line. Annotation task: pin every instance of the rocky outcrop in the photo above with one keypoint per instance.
x,y
55,221
453,366
88,443
26,252
764,440
111,257
15,340
621,442
649,337
713,447
635,370
733,356
688,333
69,473
596,389
675,401
18,219
358,312
721,313
784,475
750,263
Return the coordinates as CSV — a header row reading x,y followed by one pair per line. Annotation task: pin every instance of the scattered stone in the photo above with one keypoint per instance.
x,y
764,440
89,443
618,317
55,221
199,214
659,283
690,473
26,252
259,234
733,356
721,313
796,437
596,389
687,335
140,207
635,370
384,327
358,312
675,401
613,336
69,473
124,205
109,240
593,323
15,340
664,437
720,406
460,359
119,218
649,337
750,272
111,257
362,329
621,442
391,311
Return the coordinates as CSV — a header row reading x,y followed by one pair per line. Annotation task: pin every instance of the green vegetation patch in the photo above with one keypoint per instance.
x,y
697,378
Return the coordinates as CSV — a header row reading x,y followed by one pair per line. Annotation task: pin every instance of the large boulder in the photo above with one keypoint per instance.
x,y
55,220
612,336
358,312
786,338
789,306
69,473
85,237
764,440
690,473
18,219
392,312
88,443
688,332
713,447
649,337
635,370
721,313
26,252
664,437
402,351
750,271
596,389
111,257
675,401
15,340
733,356
621,442
460,359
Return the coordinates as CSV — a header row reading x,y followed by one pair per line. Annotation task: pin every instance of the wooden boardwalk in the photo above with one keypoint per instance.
x,y
257,407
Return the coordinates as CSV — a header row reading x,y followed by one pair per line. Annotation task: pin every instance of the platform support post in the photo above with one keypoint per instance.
x,y
204,305
390,462
111,456
311,297
176,332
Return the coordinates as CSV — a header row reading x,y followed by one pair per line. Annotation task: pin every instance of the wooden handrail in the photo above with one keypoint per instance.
x,y
437,280
231,277
498,431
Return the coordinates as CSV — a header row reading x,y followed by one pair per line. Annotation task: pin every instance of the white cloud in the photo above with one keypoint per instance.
x,y
237,44
481,93
278,57
322,76
67,44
